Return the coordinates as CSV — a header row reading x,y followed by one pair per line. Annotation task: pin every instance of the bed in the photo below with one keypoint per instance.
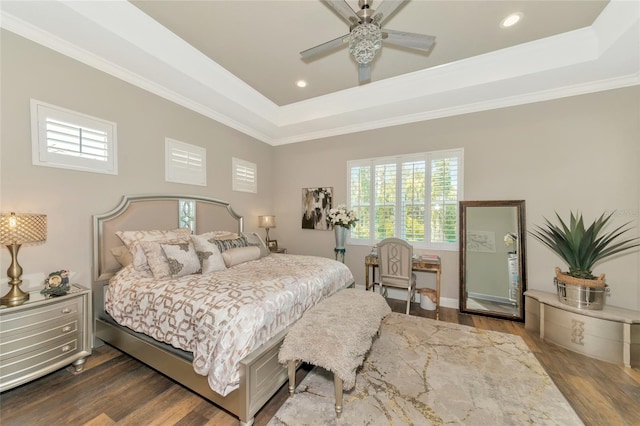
x,y
237,317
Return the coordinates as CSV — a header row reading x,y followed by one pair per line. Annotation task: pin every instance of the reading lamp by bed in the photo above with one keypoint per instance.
x,y
267,222
17,229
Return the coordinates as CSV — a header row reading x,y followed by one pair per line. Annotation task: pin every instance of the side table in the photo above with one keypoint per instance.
x,y
44,334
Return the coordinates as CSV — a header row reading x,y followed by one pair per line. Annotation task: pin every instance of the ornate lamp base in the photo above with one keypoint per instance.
x,y
14,297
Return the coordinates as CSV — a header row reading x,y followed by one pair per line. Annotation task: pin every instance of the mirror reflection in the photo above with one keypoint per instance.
x,y
492,269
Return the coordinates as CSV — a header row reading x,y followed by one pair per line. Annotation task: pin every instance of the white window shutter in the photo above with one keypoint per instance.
x,y
244,176
71,140
185,163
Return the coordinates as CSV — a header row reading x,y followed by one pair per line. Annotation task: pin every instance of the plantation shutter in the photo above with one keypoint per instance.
x,y
413,197
385,200
360,197
413,190
72,140
185,163
245,176
445,186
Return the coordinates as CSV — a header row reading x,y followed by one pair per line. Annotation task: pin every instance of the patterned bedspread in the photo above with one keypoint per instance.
x,y
223,316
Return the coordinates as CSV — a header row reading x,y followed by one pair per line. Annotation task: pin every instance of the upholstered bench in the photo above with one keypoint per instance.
x,y
335,334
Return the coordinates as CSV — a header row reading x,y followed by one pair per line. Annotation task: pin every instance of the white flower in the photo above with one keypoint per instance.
x,y
340,216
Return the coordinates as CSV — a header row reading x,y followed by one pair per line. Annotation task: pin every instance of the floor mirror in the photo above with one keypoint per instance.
x,y
493,258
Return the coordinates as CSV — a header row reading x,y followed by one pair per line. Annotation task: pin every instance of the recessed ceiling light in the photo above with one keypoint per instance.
x,y
301,83
511,20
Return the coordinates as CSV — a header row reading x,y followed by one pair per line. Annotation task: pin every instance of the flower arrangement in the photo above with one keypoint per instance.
x,y
340,216
511,240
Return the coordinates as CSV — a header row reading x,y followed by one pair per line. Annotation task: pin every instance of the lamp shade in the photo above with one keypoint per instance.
x,y
20,228
266,221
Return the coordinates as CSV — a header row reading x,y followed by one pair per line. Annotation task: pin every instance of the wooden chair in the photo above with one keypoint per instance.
x,y
395,261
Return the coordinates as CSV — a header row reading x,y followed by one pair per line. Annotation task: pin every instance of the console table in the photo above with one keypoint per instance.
x,y
611,334
419,265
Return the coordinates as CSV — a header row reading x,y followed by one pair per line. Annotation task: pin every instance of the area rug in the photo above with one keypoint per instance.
x,y
426,372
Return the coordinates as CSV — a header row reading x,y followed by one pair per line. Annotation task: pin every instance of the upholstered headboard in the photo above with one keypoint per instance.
x,y
146,212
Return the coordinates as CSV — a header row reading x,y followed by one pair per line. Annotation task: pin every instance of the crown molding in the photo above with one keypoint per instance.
x,y
127,44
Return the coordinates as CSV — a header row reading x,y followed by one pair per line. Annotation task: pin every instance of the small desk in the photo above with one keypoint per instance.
x,y
419,265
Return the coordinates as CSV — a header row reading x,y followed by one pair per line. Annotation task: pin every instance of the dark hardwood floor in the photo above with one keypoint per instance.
x,y
116,389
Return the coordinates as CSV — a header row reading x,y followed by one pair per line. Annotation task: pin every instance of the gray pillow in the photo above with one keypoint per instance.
x,y
254,239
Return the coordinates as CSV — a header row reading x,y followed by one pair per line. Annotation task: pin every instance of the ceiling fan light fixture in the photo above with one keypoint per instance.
x,y
365,40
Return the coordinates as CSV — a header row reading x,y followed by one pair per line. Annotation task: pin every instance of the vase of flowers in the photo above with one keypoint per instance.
x,y
511,241
341,220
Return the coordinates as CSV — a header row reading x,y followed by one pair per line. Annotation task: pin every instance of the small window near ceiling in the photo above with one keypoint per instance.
x,y
71,140
185,163
245,176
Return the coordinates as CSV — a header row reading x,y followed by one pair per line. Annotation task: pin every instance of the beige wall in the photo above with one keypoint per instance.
x,y
575,153
70,198
580,153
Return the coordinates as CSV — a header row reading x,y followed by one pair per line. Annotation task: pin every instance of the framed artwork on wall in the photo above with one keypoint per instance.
x,y
316,203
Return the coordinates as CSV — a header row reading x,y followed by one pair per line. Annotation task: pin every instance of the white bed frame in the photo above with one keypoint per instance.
x,y
260,373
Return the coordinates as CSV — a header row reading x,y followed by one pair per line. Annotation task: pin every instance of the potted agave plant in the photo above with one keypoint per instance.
x,y
581,248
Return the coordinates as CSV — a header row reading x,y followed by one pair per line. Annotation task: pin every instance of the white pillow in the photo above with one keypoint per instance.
x,y
235,256
156,259
182,259
132,240
210,258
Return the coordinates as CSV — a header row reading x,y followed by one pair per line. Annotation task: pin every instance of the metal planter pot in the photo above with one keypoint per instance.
x,y
582,297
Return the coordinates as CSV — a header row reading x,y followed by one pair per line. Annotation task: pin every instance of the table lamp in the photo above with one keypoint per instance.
x,y
267,222
17,229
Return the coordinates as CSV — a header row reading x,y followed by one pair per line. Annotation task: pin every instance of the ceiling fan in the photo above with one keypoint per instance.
x,y
366,36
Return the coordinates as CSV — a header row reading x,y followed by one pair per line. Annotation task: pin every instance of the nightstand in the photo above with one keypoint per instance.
x,y
44,334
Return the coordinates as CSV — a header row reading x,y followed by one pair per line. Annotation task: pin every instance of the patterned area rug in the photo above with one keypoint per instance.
x,y
426,372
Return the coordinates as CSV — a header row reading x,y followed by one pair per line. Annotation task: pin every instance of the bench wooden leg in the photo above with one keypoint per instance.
x,y
337,383
291,366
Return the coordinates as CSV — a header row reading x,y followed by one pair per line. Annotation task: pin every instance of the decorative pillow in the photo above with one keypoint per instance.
x,y
182,259
220,235
132,240
224,245
122,255
156,258
237,255
254,239
210,257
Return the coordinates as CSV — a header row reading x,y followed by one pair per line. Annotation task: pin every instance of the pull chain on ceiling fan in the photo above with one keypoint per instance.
x,y
366,35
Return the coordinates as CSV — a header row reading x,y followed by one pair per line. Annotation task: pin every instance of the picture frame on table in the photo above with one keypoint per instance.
x,y
272,245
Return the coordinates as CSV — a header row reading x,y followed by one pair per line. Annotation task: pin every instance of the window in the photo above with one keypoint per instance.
x,y
71,140
185,163
397,196
245,176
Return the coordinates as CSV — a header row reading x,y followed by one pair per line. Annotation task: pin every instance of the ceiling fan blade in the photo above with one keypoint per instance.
x,y
412,40
386,9
325,47
344,10
364,73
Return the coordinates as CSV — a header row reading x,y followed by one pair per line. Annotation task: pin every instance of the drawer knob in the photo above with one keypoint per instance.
x,y
66,310
66,329
66,348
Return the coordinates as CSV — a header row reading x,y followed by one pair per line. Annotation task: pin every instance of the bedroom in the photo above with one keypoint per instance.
x,y
535,151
